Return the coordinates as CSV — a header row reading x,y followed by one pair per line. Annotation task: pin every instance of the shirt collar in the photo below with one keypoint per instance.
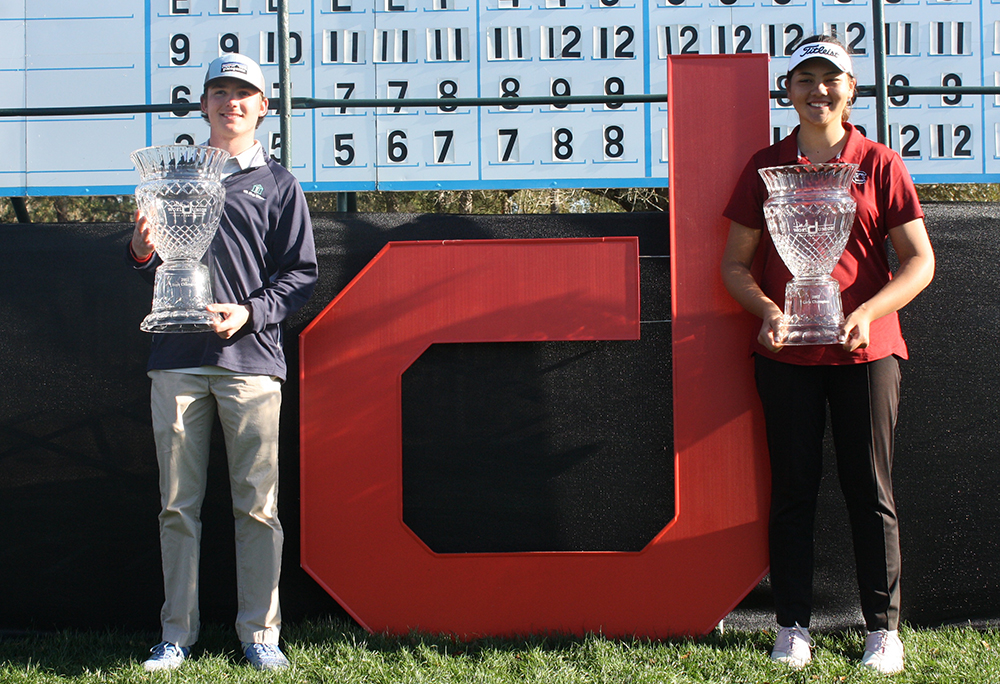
x,y
854,147
250,158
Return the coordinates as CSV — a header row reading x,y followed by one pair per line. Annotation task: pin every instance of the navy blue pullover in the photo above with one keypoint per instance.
x,y
262,256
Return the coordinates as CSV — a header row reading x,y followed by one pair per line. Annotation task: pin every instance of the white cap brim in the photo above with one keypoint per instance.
x,y
834,54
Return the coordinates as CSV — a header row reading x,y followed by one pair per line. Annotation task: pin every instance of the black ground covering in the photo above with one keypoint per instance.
x,y
507,447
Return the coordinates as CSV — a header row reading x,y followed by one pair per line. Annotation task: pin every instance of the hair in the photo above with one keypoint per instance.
x,y
827,38
204,116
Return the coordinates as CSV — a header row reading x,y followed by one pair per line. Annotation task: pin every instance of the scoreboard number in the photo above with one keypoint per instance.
x,y
506,43
780,40
560,87
447,89
562,144
614,143
615,42
561,42
394,46
343,47
508,50
950,141
343,149
269,47
507,146
180,49
852,34
678,39
901,38
905,140
396,90
179,95
951,80
444,149
899,100
228,42
613,86
509,87
732,40
344,92
396,151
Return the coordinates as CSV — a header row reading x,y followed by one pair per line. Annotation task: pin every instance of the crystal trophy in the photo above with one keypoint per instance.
x,y
182,196
809,213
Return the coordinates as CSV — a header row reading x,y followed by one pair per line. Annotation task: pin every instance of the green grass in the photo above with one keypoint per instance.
x,y
341,653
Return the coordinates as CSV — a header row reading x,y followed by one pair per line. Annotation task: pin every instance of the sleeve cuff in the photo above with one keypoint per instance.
x,y
136,259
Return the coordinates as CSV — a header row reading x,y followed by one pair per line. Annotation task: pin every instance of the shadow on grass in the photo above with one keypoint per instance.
x,y
329,646
317,634
72,653
78,653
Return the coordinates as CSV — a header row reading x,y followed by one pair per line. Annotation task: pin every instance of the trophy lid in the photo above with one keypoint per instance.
x,y
808,177
179,161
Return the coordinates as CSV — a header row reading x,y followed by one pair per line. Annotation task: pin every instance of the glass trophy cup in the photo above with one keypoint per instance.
x,y
182,196
809,214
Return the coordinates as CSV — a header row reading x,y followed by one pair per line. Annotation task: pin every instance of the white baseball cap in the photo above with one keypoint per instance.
x,y
831,52
235,65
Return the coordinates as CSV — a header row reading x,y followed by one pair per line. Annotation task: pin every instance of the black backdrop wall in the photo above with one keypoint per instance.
x,y
548,426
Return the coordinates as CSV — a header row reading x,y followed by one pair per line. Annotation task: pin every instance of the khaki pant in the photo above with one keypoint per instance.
x,y
183,411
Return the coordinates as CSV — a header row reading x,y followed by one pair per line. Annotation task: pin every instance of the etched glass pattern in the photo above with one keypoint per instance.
x,y
809,214
182,196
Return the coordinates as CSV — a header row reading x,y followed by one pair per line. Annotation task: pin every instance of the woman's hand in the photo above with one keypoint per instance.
x,y
773,332
856,329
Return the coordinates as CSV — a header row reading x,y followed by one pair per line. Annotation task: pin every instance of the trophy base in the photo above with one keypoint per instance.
x,y
178,322
803,335
813,312
181,291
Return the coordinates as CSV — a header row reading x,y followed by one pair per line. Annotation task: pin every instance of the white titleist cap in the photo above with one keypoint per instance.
x,y
235,65
834,54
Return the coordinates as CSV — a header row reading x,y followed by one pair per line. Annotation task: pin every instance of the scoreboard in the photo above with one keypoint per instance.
x,y
61,53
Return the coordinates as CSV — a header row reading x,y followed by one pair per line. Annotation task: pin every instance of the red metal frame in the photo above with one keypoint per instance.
x,y
354,541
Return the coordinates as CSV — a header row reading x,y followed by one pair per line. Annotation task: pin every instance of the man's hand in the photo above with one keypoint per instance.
x,y
232,317
142,243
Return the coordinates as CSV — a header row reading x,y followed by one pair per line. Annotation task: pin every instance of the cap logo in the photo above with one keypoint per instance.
x,y
820,49
831,52
235,65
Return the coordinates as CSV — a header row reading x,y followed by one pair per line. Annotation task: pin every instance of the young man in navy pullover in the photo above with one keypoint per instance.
x,y
263,265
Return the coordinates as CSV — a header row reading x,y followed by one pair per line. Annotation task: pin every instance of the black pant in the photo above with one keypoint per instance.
x,y
863,399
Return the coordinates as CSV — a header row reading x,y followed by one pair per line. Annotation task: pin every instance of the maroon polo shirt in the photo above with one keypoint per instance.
x,y
886,199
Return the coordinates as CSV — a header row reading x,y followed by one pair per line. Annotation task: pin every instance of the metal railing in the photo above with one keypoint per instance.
x,y
298,103
345,201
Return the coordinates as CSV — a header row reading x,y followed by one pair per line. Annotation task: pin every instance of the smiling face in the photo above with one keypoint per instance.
x,y
821,93
233,109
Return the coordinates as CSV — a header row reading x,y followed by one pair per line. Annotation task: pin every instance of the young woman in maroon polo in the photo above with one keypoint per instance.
x,y
859,380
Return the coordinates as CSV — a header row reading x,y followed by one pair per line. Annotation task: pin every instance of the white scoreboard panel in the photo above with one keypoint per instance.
x,y
57,53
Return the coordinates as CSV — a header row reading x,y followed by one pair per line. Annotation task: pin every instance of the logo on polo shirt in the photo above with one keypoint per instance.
x,y
234,66
860,177
257,191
